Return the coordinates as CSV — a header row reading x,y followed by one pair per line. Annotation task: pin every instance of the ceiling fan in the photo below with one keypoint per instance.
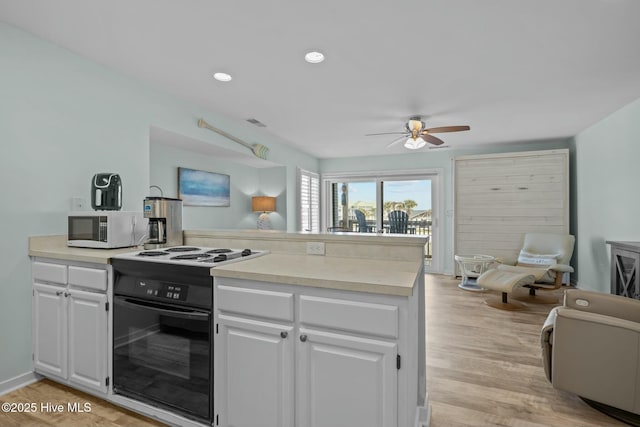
x,y
417,135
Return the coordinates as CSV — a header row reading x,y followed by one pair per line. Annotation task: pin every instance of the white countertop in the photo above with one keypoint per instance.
x,y
350,274
56,247
390,277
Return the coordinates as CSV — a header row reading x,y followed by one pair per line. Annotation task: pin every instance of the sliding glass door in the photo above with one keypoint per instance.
x,y
354,206
413,199
391,203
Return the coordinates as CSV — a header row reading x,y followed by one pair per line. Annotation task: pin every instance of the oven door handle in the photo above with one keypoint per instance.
x,y
146,306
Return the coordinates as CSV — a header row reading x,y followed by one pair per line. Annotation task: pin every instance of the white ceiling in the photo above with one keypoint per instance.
x,y
513,70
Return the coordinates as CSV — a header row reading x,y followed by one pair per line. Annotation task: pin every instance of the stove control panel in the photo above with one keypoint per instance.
x,y
167,291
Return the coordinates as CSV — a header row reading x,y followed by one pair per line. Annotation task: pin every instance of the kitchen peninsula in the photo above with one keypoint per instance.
x,y
330,338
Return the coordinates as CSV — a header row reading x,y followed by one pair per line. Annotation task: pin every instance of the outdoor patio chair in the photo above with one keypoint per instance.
x,y
398,222
362,222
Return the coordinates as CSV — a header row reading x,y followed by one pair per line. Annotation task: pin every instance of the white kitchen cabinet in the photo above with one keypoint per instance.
x,y
87,334
70,324
255,374
345,381
330,357
49,330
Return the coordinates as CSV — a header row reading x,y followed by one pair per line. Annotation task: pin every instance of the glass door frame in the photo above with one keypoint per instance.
x,y
436,175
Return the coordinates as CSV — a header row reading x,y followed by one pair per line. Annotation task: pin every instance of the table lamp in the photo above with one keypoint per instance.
x,y
264,204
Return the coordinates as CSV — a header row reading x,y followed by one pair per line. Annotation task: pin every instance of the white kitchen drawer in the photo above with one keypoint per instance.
x,y
255,302
91,278
351,316
48,272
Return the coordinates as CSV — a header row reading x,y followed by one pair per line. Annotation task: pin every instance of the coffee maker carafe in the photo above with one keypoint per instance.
x,y
106,192
165,222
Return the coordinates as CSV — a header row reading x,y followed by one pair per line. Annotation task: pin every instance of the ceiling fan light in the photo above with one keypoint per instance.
x,y
414,144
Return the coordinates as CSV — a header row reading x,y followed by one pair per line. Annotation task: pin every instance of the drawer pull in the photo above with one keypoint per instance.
x,y
303,338
283,334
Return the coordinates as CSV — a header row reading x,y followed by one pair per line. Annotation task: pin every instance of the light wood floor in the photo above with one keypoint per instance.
x,y
102,413
484,365
483,369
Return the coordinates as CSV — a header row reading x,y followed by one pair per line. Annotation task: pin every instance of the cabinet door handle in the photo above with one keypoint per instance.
x,y
58,293
284,334
303,338
66,294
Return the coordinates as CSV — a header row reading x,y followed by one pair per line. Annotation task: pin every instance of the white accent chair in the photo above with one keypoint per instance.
x,y
541,265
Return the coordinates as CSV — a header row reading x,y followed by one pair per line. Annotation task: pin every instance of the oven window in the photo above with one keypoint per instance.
x,y
162,354
171,353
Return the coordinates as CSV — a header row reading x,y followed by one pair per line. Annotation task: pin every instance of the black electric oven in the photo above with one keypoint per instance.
x,y
162,336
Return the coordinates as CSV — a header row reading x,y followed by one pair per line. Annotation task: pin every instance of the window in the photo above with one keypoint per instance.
x,y
361,202
308,201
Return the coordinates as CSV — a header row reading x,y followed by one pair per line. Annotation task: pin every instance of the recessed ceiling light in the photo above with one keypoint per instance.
x,y
314,57
222,77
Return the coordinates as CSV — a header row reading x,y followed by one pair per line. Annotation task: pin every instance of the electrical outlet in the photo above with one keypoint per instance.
x,y
77,204
315,248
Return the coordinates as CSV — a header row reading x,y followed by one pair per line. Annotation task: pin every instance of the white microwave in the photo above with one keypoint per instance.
x,y
106,229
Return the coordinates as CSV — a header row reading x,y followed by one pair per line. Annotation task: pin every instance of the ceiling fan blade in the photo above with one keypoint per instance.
x,y
443,129
387,133
432,139
395,141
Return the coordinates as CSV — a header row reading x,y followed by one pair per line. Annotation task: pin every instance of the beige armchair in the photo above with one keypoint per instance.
x,y
591,347
541,265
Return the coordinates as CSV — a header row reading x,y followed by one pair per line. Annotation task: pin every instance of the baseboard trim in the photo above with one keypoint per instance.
x,y
151,411
423,414
18,381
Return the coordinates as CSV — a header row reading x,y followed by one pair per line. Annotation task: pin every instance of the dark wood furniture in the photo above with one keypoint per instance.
x,y
625,268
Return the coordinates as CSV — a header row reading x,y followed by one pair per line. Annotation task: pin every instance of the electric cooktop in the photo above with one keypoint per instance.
x,y
192,255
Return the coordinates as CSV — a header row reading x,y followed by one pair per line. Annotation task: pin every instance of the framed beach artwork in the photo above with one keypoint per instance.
x,y
201,188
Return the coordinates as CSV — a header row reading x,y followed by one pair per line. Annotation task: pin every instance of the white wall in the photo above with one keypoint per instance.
x,y
62,119
245,181
271,184
608,202
427,160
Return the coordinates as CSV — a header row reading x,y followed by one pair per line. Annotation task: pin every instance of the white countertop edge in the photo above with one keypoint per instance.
x,y
319,283
380,239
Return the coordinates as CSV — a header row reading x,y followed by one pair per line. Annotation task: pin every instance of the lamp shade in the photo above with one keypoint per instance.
x,y
263,204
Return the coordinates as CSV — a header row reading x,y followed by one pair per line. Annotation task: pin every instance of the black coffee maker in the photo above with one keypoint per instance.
x,y
106,192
